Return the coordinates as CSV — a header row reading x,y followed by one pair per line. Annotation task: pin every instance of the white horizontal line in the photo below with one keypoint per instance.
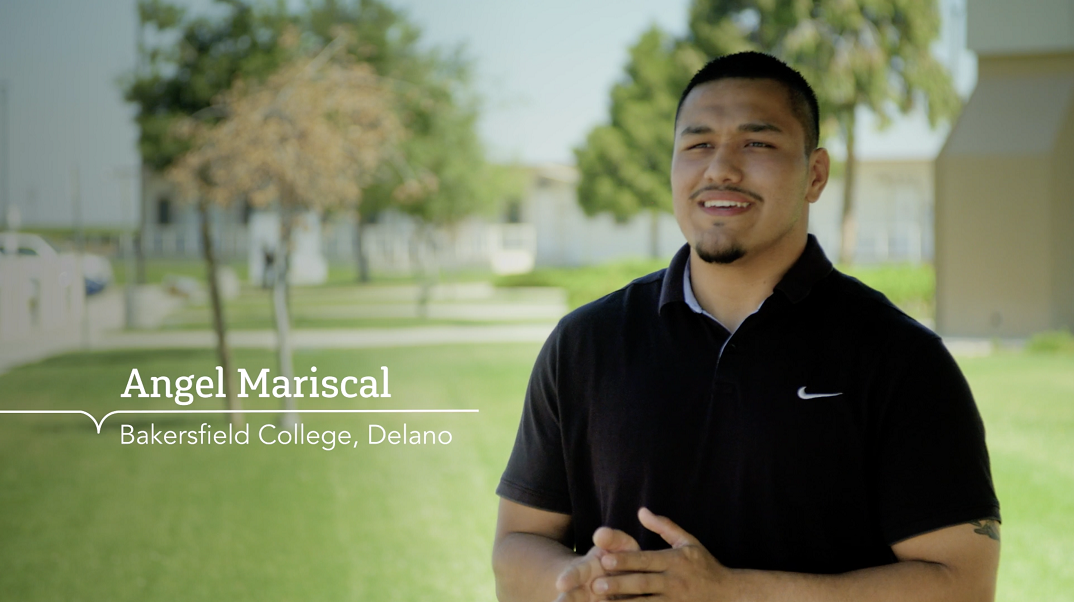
x,y
280,411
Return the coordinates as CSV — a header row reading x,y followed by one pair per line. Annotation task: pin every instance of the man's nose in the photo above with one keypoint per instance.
x,y
724,166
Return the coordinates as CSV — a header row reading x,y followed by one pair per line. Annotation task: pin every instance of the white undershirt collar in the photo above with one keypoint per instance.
x,y
691,300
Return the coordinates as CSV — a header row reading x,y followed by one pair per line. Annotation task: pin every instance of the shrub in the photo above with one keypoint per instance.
x,y
1053,341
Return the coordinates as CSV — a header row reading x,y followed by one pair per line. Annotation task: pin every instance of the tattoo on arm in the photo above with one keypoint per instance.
x,y
986,527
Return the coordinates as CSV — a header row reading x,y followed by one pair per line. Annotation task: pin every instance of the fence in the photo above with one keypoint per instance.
x,y
39,295
395,247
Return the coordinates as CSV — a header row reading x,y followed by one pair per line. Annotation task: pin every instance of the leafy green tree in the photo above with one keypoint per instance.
x,y
304,139
196,62
181,77
625,165
178,79
855,53
439,174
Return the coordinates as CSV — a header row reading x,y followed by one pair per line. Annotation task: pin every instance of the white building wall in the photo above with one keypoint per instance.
x,y
894,206
894,211
566,236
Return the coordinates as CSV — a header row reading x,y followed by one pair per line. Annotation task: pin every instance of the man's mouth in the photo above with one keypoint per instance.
x,y
725,204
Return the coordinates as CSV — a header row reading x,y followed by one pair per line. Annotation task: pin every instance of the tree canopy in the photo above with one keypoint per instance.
x,y
308,136
625,164
437,171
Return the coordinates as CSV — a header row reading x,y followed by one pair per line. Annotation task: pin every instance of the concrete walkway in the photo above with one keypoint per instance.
x,y
103,327
336,338
102,331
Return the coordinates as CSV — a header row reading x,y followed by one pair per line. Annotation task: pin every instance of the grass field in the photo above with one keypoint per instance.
x,y
339,273
911,287
84,517
379,305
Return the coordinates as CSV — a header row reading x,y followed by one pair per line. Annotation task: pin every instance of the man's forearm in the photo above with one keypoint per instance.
x,y
526,567
915,580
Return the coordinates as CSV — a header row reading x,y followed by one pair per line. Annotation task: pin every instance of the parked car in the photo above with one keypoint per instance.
x,y
96,270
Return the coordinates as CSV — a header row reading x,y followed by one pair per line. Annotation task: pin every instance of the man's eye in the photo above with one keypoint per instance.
x,y
701,145
757,144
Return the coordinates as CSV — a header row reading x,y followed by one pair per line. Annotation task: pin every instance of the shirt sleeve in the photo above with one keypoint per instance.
x,y
934,469
536,473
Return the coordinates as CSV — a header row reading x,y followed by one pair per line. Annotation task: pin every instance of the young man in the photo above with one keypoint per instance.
x,y
748,424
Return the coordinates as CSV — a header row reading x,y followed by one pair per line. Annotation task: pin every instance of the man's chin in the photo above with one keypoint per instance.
x,y
721,256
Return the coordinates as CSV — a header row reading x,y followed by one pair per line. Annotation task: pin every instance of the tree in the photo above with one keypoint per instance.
x,y
176,80
439,173
309,137
181,77
196,60
856,53
625,165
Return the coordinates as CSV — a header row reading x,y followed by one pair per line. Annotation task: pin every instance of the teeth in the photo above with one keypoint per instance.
x,y
725,204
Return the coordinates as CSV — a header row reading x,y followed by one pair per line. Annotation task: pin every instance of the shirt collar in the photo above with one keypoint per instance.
x,y
688,293
810,267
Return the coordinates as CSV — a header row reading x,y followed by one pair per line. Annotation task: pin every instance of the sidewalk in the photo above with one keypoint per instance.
x,y
336,338
103,327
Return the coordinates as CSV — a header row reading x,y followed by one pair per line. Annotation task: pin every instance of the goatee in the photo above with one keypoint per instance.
x,y
721,256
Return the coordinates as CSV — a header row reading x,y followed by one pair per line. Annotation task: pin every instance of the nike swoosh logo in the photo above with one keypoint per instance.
x,y
803,395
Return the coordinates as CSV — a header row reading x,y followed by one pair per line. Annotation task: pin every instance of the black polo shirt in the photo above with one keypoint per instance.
x,y
829,426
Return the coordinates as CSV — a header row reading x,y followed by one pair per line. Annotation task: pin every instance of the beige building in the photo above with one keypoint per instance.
x,y
1005,178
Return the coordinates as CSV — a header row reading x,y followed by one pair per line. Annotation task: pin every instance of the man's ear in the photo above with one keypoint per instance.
x,y
819,166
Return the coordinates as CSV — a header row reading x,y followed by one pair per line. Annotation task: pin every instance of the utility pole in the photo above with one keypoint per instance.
x,y
957,30
5,146
80,244
139,236
126,174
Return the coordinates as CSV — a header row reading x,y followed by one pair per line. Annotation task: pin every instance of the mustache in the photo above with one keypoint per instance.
x,y
725,187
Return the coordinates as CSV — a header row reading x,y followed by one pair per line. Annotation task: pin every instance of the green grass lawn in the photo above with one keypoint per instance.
x,y
381,305
339,273
84,517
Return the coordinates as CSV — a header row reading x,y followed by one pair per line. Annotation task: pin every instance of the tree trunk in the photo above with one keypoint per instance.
x,y
359,251
654,233
283,316
428,271
139,255
849,239
139,235
222,351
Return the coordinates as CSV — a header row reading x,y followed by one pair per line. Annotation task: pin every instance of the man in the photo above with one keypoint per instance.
x,y
748,424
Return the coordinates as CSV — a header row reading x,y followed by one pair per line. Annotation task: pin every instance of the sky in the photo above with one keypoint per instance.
x,y
543,69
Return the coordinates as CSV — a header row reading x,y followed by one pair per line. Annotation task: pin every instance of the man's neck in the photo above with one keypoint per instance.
x,y
731,292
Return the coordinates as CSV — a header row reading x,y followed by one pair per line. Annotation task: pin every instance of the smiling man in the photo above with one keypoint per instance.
x,y
749,423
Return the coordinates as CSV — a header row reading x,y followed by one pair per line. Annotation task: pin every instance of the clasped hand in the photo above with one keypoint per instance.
x,y
617,569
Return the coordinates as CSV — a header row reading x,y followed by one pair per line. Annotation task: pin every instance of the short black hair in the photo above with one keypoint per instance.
x,y
757,65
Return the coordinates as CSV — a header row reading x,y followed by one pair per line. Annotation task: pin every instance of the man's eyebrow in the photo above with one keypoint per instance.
x,y
694,130
752,126
759,126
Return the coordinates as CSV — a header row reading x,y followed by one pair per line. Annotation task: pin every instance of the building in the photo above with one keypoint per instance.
x,y
549,228
1005,178
894,211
